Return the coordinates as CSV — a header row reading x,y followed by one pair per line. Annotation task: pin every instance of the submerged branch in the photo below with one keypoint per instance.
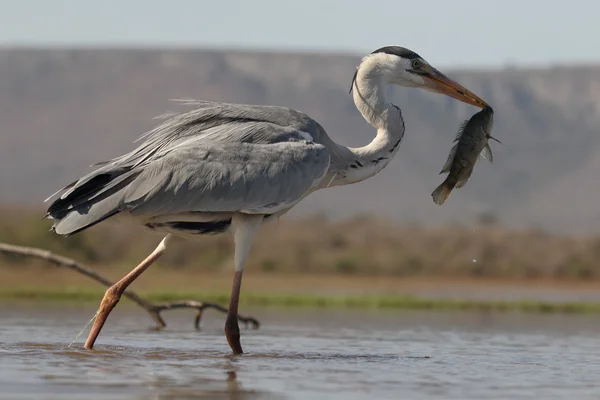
x,y
153,309
200,306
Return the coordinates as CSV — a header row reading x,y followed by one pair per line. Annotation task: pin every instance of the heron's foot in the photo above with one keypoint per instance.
x,y
232,332
109,301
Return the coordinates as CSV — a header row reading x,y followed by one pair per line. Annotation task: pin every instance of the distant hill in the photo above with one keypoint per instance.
x,y
62,110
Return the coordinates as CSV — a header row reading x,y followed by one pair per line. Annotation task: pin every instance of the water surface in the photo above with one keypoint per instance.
x,y
307,354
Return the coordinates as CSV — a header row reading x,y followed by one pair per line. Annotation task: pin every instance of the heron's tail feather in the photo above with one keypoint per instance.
x,y
92,199
82,218
441,193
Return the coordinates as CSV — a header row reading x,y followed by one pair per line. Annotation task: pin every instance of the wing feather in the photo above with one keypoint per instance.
x,y
229,177
223,122
216,157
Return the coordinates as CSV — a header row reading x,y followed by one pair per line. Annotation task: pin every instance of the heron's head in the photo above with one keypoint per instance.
x,y
401,66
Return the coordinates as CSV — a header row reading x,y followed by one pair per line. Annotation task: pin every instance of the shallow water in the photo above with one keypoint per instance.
x,y
300,355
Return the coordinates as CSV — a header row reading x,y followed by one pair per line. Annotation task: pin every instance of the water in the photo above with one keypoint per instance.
x,y
300,355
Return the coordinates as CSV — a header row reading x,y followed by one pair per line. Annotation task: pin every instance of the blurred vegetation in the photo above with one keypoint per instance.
x,y
358,246
311,300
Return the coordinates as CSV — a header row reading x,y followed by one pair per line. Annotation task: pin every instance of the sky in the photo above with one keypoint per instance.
x,y
458,33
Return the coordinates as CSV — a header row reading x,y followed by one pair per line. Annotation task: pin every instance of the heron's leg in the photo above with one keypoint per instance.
x,y
113,293
245,228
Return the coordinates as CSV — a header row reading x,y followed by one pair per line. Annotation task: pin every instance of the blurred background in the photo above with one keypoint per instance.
x,y
79,82
364,283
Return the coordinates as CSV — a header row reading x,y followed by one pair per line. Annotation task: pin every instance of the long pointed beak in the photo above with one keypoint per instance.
x,y
437,82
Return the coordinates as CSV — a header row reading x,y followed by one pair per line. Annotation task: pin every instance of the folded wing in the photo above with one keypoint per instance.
x,y
216,158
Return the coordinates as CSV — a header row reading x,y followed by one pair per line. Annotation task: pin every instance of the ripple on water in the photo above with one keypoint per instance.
x,y
424,357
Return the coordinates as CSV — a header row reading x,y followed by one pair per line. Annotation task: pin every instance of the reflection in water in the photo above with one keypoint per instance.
x,y
303,355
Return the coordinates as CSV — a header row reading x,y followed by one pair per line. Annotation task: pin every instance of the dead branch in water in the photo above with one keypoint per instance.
x,y
153,309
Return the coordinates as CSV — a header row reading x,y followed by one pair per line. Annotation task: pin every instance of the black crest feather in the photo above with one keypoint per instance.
x,y
398,51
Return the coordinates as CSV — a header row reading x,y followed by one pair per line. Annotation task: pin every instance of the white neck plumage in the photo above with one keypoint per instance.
x,y
358,164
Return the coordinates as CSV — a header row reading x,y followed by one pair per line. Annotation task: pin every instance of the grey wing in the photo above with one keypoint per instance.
x,y
218,156
227,177
224,123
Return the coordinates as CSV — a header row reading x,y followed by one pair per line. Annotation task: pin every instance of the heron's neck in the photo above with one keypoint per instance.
x,y
357,164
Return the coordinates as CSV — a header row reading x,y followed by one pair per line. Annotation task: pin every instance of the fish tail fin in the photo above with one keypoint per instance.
x,y
441,193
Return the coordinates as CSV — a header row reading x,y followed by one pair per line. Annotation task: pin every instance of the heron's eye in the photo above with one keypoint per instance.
x,y
416,64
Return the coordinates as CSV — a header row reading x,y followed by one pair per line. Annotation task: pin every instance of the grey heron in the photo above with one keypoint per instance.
x,y
223,167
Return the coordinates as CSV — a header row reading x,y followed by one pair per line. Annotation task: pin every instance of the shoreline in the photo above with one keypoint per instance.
x,y
321,291
369,302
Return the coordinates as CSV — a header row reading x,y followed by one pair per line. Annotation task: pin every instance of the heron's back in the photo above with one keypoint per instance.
x,y
216,158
